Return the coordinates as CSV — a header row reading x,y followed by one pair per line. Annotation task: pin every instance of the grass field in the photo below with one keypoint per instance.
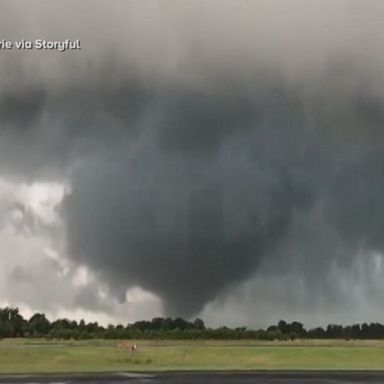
x,y
39,356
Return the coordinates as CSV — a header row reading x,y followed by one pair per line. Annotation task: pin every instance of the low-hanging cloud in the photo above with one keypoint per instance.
x,y
202,151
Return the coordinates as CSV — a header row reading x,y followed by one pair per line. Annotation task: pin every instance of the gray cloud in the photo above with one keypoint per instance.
x,y
201,153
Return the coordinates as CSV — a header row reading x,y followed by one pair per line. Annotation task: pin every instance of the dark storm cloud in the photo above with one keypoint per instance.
x,y
198,152
18,111
210,188
180,220
356,204
42,130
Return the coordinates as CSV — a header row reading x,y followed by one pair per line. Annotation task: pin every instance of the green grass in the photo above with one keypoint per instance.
x,y
40,356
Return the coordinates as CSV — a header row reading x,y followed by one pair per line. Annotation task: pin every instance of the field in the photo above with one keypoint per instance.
x,y
39,356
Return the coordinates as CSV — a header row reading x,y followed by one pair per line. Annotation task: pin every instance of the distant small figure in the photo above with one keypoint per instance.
x,y
130,346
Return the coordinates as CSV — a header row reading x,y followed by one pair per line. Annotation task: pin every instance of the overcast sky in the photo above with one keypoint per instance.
x,y
219,159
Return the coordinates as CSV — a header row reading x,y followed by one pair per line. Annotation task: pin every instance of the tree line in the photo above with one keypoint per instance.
x,y
13,324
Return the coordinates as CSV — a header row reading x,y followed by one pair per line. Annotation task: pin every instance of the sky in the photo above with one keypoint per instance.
x,y
213,159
